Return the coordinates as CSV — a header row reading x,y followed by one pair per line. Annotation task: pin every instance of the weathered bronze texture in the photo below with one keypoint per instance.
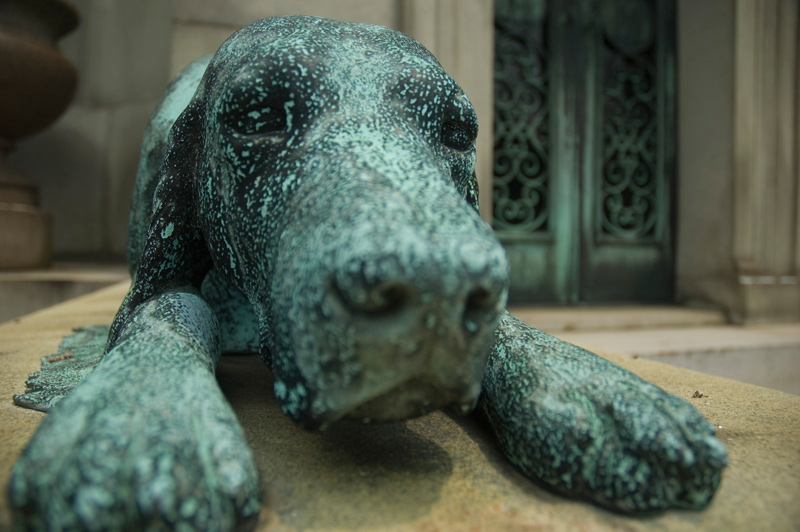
x,y
309,193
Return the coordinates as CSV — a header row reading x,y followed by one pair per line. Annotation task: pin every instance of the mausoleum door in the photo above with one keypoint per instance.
x,y
584,148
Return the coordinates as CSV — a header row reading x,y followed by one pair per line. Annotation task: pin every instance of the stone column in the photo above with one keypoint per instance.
x,y
460,33
765,170
738,145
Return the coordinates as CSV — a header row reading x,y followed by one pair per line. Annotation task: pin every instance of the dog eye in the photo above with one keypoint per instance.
x,y
260,121
458,135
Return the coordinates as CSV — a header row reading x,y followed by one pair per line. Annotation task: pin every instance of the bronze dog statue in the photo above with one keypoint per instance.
x,y
315,200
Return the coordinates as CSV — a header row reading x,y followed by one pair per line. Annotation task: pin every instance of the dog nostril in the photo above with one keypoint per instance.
x,y
480,306
383,298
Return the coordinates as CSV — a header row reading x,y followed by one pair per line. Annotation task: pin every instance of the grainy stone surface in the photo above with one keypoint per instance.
x,y
438,473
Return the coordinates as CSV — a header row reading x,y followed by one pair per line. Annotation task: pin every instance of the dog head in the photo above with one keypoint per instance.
x,y
331,169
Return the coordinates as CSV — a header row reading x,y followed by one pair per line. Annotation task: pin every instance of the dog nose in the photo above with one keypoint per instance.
x,y
360,296
467,288
481,305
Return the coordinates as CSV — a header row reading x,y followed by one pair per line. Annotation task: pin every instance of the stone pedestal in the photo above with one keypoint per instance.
x,y
37,84
438,472
25,230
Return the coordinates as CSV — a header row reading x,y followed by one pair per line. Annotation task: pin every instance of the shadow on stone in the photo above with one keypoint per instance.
x,y
479,430
351,476
495,465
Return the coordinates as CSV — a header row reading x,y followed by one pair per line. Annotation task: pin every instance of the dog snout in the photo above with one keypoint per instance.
x,y
480,306
375,299
463,290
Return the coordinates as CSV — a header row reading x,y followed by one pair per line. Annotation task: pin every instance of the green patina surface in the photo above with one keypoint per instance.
x,y
316,202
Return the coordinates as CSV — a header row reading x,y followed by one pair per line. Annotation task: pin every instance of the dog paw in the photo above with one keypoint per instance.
x,y
624,444
588,428
123,454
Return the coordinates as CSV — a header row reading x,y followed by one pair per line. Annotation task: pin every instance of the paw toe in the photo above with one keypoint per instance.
x,y
665,456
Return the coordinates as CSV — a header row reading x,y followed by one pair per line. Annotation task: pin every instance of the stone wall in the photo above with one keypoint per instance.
x,y
738,230
85,164
199,27
126,52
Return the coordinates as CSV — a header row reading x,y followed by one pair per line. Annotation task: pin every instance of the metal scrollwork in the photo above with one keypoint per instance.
x,y
521,136
629,188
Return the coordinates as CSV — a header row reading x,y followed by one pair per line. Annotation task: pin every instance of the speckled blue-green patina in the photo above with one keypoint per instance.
x,y
309,192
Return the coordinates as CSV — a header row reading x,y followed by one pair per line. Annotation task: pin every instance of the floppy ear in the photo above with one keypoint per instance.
x,y
472,191
176,99
175,252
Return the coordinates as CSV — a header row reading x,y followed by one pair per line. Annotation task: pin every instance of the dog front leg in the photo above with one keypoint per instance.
x,y
147,441
587,427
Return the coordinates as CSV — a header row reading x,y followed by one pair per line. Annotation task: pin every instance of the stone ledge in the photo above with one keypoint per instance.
x,y
25,291
566,319
765,355
439,472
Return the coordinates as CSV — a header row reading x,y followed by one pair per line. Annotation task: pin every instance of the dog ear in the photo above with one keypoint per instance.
x,y
176,99
472,191
175,252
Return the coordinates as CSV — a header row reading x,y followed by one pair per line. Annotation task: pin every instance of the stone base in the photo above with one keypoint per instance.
x,y
437,473
25,237
746,299
31,289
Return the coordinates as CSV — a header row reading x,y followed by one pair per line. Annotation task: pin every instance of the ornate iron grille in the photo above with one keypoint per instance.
x,y
522,125
629,191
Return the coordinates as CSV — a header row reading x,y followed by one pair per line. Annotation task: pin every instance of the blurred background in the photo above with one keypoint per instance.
x,y
638,158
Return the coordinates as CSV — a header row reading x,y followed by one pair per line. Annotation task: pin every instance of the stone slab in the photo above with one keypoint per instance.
x,y
121,51
191,41
25,291
567,319
671,340
765,355
439,472
242,12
